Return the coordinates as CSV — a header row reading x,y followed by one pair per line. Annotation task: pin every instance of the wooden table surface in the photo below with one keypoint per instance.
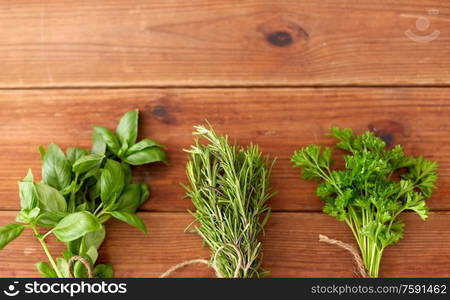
x,y
275,73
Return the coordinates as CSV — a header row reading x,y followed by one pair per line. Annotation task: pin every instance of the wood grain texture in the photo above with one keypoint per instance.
x,y
279,120
220,43
291,248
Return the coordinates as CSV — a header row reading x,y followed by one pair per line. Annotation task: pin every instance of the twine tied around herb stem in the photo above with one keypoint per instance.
x,y
213,265
349,248
322,238
84,261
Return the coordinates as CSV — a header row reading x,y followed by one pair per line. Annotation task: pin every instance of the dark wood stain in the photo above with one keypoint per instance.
x,y
279,38
282,32
387,130
163,111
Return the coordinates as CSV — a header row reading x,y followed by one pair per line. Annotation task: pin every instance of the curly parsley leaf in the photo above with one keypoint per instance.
x,y
365,194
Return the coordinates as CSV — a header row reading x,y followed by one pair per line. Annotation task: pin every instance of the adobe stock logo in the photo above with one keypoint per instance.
x,y
11,290
422,24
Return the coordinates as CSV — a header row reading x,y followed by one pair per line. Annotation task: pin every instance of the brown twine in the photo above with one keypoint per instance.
x,y
349,248
238,252
187,263
84,261
204,261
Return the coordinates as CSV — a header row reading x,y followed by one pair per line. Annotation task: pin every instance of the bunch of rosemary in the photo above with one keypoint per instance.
x,y
229,186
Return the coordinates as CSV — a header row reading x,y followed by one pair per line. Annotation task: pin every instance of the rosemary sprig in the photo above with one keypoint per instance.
x,y
229,187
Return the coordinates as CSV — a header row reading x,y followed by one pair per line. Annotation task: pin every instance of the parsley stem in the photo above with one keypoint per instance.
x,y
364,194
47,252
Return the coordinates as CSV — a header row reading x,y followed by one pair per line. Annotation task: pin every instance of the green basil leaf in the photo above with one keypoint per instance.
x,y
28,216
127,173
92,253
143,144
130,199
34,213
41,150
74,154
22,216
82,207
74,246
128,126
56,168
50,199
95,238
111,181
103,218
131,219
87,163
27,192
76,225
67,254
145,192
79,270
123,150
146,156
94,190
49,219
9,232
46,270
106,186
91,177
109,138
98,144
103,271
63,267
72,187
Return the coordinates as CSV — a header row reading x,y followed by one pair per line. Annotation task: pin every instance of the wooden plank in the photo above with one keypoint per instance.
x,y
221,43
291,248
280,120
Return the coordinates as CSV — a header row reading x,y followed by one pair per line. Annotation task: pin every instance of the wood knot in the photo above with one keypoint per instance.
x,y
387,130
165,108
283,33
279,38
160,111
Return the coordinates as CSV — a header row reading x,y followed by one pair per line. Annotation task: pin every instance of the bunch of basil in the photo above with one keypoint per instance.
x,y
80,190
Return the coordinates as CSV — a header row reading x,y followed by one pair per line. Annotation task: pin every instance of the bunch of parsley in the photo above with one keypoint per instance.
x,y
229,187
376,185
80,190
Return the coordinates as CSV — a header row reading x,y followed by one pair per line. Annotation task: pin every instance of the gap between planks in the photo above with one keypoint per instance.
x,y
116,86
